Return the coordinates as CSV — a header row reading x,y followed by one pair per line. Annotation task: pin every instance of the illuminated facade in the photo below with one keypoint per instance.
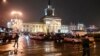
x,y
50,23
64,29
34,27
53,23
80,27
72,27
49,11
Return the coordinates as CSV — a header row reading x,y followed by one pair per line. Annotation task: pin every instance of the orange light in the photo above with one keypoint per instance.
x,y
16,13
4,1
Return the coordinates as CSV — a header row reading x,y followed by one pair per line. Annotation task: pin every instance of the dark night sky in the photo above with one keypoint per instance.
x,y
83,11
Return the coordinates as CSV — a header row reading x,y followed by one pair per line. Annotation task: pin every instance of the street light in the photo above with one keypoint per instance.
x,y
16,14
16,21
4,1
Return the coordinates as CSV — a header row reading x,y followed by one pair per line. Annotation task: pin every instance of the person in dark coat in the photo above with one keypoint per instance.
x,y
16,39
85,45
4,36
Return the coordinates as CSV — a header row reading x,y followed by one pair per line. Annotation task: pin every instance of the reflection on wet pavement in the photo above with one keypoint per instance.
x,y
29,47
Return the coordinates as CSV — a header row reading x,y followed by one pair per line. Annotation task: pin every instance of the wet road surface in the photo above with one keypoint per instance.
x,y
28,47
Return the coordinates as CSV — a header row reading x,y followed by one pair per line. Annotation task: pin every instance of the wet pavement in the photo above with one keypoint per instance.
x,y
28,47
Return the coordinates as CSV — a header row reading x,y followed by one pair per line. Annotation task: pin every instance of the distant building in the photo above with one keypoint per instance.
x,y
34,27
49,11
80,26
49,22
64,29
72,27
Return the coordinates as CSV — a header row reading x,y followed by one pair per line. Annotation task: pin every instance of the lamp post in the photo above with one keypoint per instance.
x,y
16,14
16,21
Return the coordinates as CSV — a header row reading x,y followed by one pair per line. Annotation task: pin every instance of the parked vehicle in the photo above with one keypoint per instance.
x,y
78,39
36,36
75,40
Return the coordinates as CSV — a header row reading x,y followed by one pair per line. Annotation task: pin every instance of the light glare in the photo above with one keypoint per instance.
x,y
4,1
16,13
